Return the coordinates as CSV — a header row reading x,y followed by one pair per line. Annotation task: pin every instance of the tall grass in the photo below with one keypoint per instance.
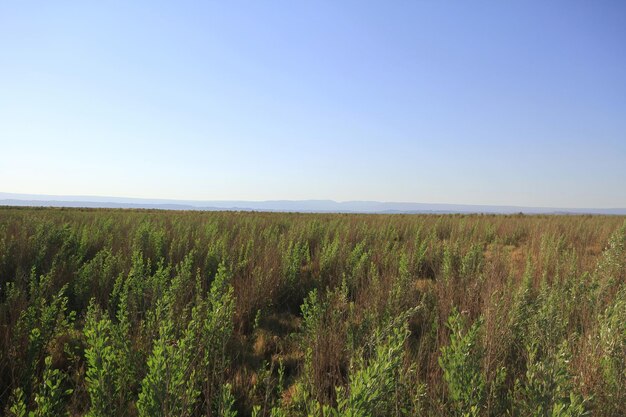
x,y
152,313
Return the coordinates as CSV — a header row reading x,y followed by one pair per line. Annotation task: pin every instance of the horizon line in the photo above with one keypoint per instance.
x,y
94,200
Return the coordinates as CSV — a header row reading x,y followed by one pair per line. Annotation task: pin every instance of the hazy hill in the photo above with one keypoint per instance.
x,y
36,200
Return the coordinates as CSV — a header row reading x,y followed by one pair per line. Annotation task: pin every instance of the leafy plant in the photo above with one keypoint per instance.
x,y
461,364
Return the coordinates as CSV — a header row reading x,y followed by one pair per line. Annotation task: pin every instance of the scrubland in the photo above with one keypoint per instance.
x,y
157,313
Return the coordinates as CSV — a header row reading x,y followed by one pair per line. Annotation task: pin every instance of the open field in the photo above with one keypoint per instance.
x,y
152,313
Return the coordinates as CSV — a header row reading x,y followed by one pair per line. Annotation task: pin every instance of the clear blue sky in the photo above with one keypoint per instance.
x,y
495,102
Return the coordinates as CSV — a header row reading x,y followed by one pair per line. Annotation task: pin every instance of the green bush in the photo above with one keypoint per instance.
x,y
461,365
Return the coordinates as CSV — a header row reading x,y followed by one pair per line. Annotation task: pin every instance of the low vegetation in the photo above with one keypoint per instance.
x,y
153,313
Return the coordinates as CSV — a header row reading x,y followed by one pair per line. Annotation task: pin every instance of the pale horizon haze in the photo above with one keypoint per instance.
x,y
518,103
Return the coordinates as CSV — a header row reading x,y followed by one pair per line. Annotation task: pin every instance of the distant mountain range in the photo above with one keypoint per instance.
x,y
306,206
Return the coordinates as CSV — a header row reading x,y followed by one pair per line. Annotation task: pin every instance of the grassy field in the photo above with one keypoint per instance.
x,y
156,313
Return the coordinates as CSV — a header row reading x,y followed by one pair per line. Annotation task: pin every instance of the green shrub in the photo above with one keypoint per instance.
x,y
613,360
17,405
461,364
51,393
548,387
173,384
373,384
109,375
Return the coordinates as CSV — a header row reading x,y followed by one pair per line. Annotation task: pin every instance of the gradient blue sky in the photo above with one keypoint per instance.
x,y
520,103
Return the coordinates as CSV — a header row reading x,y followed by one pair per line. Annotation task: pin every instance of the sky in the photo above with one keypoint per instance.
x,y
482,102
